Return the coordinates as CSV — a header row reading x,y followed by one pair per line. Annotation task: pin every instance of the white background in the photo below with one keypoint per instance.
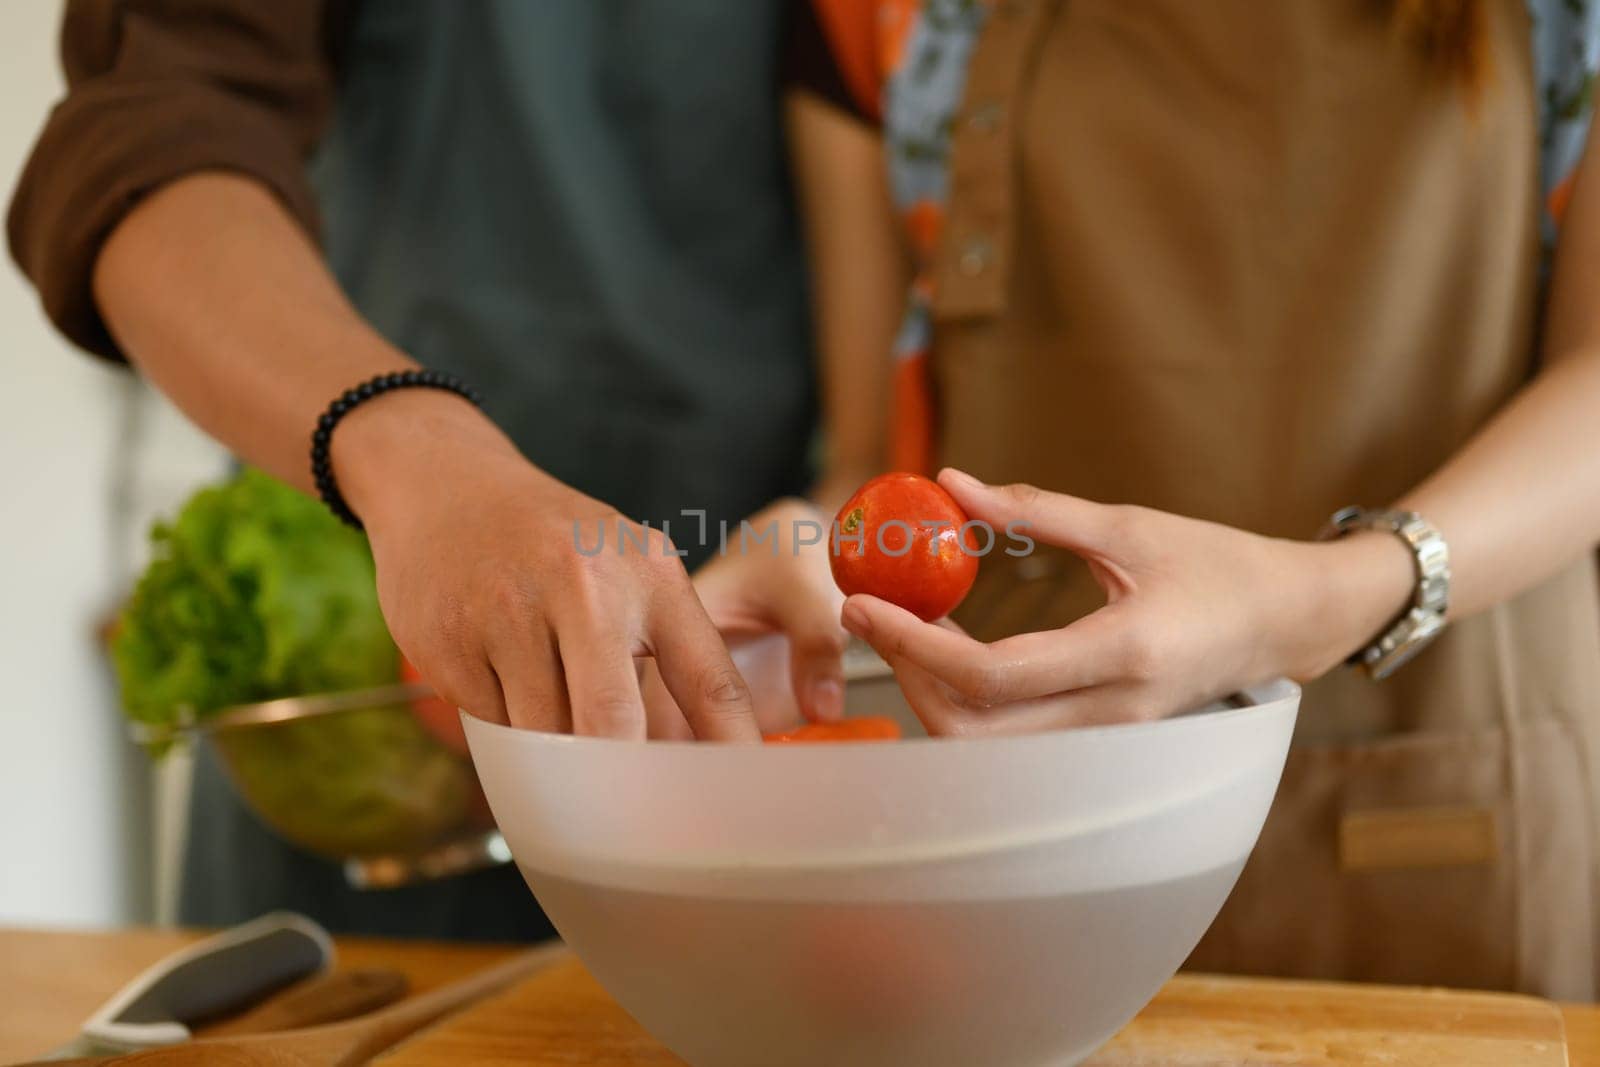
x,y
86,454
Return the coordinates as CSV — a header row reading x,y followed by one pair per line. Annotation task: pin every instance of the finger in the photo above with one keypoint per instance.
x,y
468,682
1113,580
932,701
943,714
795,595
529,669
1071,522
697,670
817,668
664,720
602,683
1085,653
809,619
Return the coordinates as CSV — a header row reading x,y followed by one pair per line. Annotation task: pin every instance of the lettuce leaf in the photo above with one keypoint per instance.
x,y
255,592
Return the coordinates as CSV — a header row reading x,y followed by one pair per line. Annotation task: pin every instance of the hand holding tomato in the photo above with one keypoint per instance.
x,y
1194,610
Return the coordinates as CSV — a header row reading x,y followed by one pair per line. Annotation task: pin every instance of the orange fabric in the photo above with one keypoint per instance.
x,y
1556,202
895,18
851,27
912,421
923,221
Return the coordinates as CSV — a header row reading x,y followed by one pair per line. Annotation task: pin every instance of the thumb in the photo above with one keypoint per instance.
x,y
816,663
810,620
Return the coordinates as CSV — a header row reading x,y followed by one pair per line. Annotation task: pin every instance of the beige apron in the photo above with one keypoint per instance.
x,y
1250,262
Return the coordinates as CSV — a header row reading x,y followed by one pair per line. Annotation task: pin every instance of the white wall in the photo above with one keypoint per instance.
x,y
85,454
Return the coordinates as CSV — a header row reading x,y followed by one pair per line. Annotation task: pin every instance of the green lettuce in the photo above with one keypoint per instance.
x,y
254,592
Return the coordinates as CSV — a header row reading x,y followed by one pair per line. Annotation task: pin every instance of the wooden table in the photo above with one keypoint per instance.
x,y
50,980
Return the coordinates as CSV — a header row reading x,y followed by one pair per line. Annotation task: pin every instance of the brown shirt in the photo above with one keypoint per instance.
x,y
158,89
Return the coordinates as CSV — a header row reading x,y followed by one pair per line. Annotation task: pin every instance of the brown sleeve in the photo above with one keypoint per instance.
x,y
157,89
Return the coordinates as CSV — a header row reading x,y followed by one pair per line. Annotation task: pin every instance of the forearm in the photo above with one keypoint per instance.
x,y
1522,499
219,298
1518,501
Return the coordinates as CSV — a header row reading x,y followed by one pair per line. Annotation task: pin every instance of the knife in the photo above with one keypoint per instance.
x,y
218,976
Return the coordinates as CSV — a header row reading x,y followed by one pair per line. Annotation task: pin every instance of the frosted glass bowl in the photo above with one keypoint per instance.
x,y
928,902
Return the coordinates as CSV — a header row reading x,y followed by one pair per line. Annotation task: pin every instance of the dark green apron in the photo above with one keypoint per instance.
x,y
580,206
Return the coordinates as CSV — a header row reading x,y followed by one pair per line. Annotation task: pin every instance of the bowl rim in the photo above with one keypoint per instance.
x,y
188,723
1262,700
860,665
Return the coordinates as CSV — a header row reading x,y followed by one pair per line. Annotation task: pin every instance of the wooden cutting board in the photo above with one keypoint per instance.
x,y
562,1017
1199,1021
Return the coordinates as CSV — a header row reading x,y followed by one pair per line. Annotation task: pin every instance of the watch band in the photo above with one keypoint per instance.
x,y
1425,618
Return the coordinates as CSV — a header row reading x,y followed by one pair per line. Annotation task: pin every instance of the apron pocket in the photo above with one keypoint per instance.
x,y
1459,859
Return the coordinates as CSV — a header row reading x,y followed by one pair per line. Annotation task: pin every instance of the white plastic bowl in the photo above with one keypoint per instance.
x,y
995,901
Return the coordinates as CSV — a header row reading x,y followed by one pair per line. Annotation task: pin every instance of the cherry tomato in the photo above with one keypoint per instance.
x,y
865,728
900,538
436,714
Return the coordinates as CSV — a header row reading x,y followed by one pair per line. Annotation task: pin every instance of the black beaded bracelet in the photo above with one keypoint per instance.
x,y
349,400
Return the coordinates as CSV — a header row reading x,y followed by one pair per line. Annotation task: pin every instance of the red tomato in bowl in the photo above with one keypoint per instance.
x,y
901,538
436,714
861,728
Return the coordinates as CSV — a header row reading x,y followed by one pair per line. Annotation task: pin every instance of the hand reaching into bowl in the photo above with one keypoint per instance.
x,y
1194,610
487,586
773,580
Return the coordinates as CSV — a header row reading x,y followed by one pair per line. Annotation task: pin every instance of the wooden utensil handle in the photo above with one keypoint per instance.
x,y
388,1027
325,998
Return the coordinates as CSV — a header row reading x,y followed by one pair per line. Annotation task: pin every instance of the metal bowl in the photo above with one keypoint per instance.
x,y
356,777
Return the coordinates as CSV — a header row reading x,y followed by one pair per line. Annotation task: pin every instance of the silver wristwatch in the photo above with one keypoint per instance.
x,y
1424,620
